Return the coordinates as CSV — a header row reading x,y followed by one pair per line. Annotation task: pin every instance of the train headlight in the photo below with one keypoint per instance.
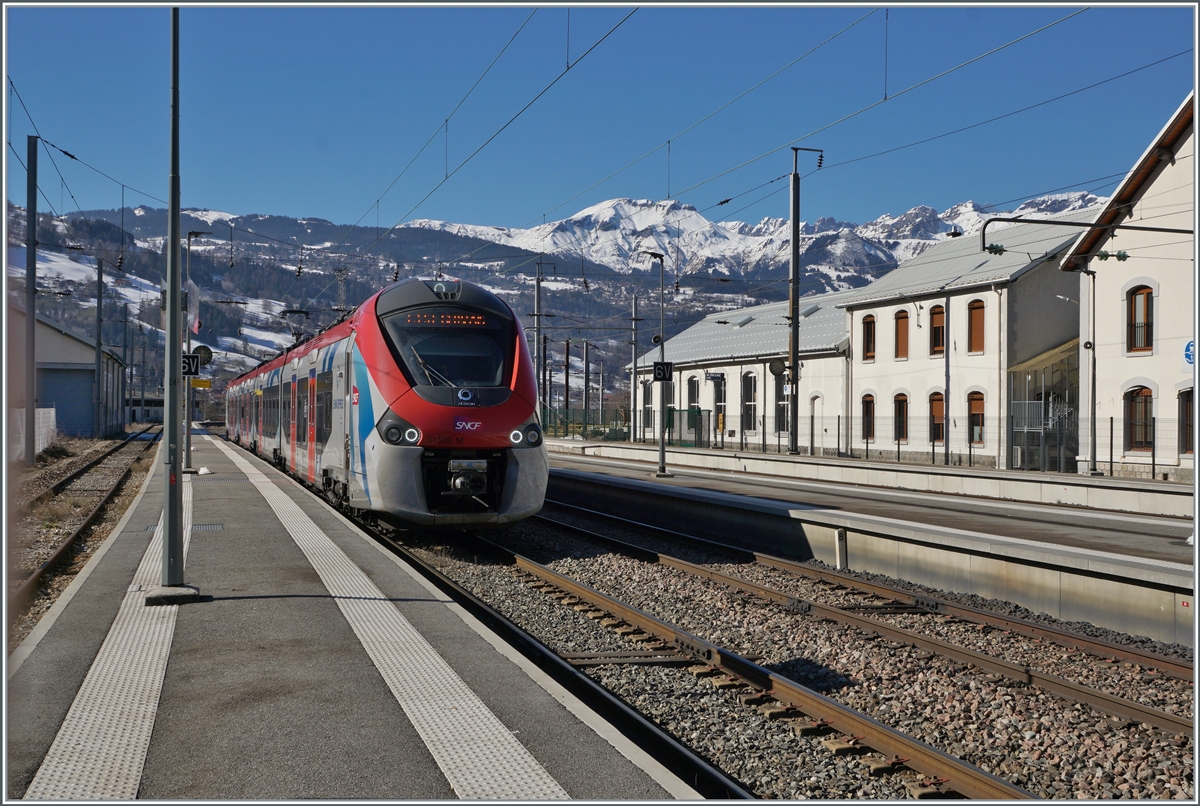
x,y
395,430
527,435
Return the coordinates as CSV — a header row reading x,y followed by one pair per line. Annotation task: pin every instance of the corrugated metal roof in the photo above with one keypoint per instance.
x,y
959,263
759,330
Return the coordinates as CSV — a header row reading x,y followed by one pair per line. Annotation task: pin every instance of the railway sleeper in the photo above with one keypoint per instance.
x,y
808,727
848,746
884,766
930,788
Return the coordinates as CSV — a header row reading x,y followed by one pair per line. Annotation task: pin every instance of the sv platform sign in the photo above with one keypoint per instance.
x,y
191,365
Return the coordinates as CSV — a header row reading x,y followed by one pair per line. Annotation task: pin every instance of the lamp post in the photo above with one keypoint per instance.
x,y
662,357
1091,345
187,421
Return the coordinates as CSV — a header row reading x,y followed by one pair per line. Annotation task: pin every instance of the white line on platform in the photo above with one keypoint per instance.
x,y
476,752
100,748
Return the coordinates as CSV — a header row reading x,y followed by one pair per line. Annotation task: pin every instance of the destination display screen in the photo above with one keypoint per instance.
x,y
450,319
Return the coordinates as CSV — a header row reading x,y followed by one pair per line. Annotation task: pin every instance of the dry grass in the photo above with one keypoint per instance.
x,y
57,510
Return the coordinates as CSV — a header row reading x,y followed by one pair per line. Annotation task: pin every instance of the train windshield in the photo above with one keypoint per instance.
x,y
444,346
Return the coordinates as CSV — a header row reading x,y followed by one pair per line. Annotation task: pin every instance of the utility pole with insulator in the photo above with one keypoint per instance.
x,y
97,391
633,375
31,300
794,304
567,384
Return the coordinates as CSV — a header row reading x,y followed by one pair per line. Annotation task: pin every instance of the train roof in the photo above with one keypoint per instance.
x,y
404,294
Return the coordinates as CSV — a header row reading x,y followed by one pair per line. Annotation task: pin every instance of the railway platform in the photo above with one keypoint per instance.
x,y
315,665
1142,496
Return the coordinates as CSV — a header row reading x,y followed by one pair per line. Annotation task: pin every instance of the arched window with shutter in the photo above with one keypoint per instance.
x,y
937,417
937,330
868,335
975,326
901,334
900,406
1140,320
868,418
975,413
1139,419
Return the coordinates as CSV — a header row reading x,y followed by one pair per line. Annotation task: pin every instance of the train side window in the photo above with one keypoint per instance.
x,y
302,412
271,427
324,406
287,411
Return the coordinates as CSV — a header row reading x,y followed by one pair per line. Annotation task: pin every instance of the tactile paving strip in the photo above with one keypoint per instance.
x,y
479,756
101,746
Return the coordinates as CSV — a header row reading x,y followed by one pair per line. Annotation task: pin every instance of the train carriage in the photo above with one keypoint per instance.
x,y
419,407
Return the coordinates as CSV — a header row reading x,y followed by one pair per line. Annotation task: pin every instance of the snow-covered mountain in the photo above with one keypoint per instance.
x,y
618,232
243,306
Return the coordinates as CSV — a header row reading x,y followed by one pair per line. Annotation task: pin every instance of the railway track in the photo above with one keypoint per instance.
x,y
924,602
1033,740
50,533
44,484
1120,680
851,616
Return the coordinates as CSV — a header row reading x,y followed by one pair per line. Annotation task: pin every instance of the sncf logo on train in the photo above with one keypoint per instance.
x,y
463,424
354,396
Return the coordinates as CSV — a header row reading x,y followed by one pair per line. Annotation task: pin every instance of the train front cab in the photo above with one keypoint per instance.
x,y
451,477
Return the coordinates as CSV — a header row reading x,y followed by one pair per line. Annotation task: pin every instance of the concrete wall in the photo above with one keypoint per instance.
x,y
1037,319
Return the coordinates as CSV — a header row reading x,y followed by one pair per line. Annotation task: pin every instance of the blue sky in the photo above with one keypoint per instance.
x,y
315,111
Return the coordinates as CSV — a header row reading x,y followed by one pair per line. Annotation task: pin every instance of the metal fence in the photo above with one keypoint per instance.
x,y
45,432
1034,436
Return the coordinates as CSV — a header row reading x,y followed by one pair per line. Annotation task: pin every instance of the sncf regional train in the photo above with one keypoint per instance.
x,y
418,407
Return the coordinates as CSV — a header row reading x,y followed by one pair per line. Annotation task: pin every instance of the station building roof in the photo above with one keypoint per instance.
x,y
760,331
959,263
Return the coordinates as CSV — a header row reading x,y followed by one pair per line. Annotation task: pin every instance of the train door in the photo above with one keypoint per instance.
x,y
360,420
339,433
292,424
313,415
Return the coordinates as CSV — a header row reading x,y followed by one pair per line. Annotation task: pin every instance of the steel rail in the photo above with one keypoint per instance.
x,y
25,590
952,774
1175,667
709,780
60,485
1107,703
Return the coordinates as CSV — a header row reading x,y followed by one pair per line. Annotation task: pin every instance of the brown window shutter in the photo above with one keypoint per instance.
x,y
902,334
975,334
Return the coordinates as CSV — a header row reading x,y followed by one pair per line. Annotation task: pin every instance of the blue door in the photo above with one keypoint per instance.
x,y
69,391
